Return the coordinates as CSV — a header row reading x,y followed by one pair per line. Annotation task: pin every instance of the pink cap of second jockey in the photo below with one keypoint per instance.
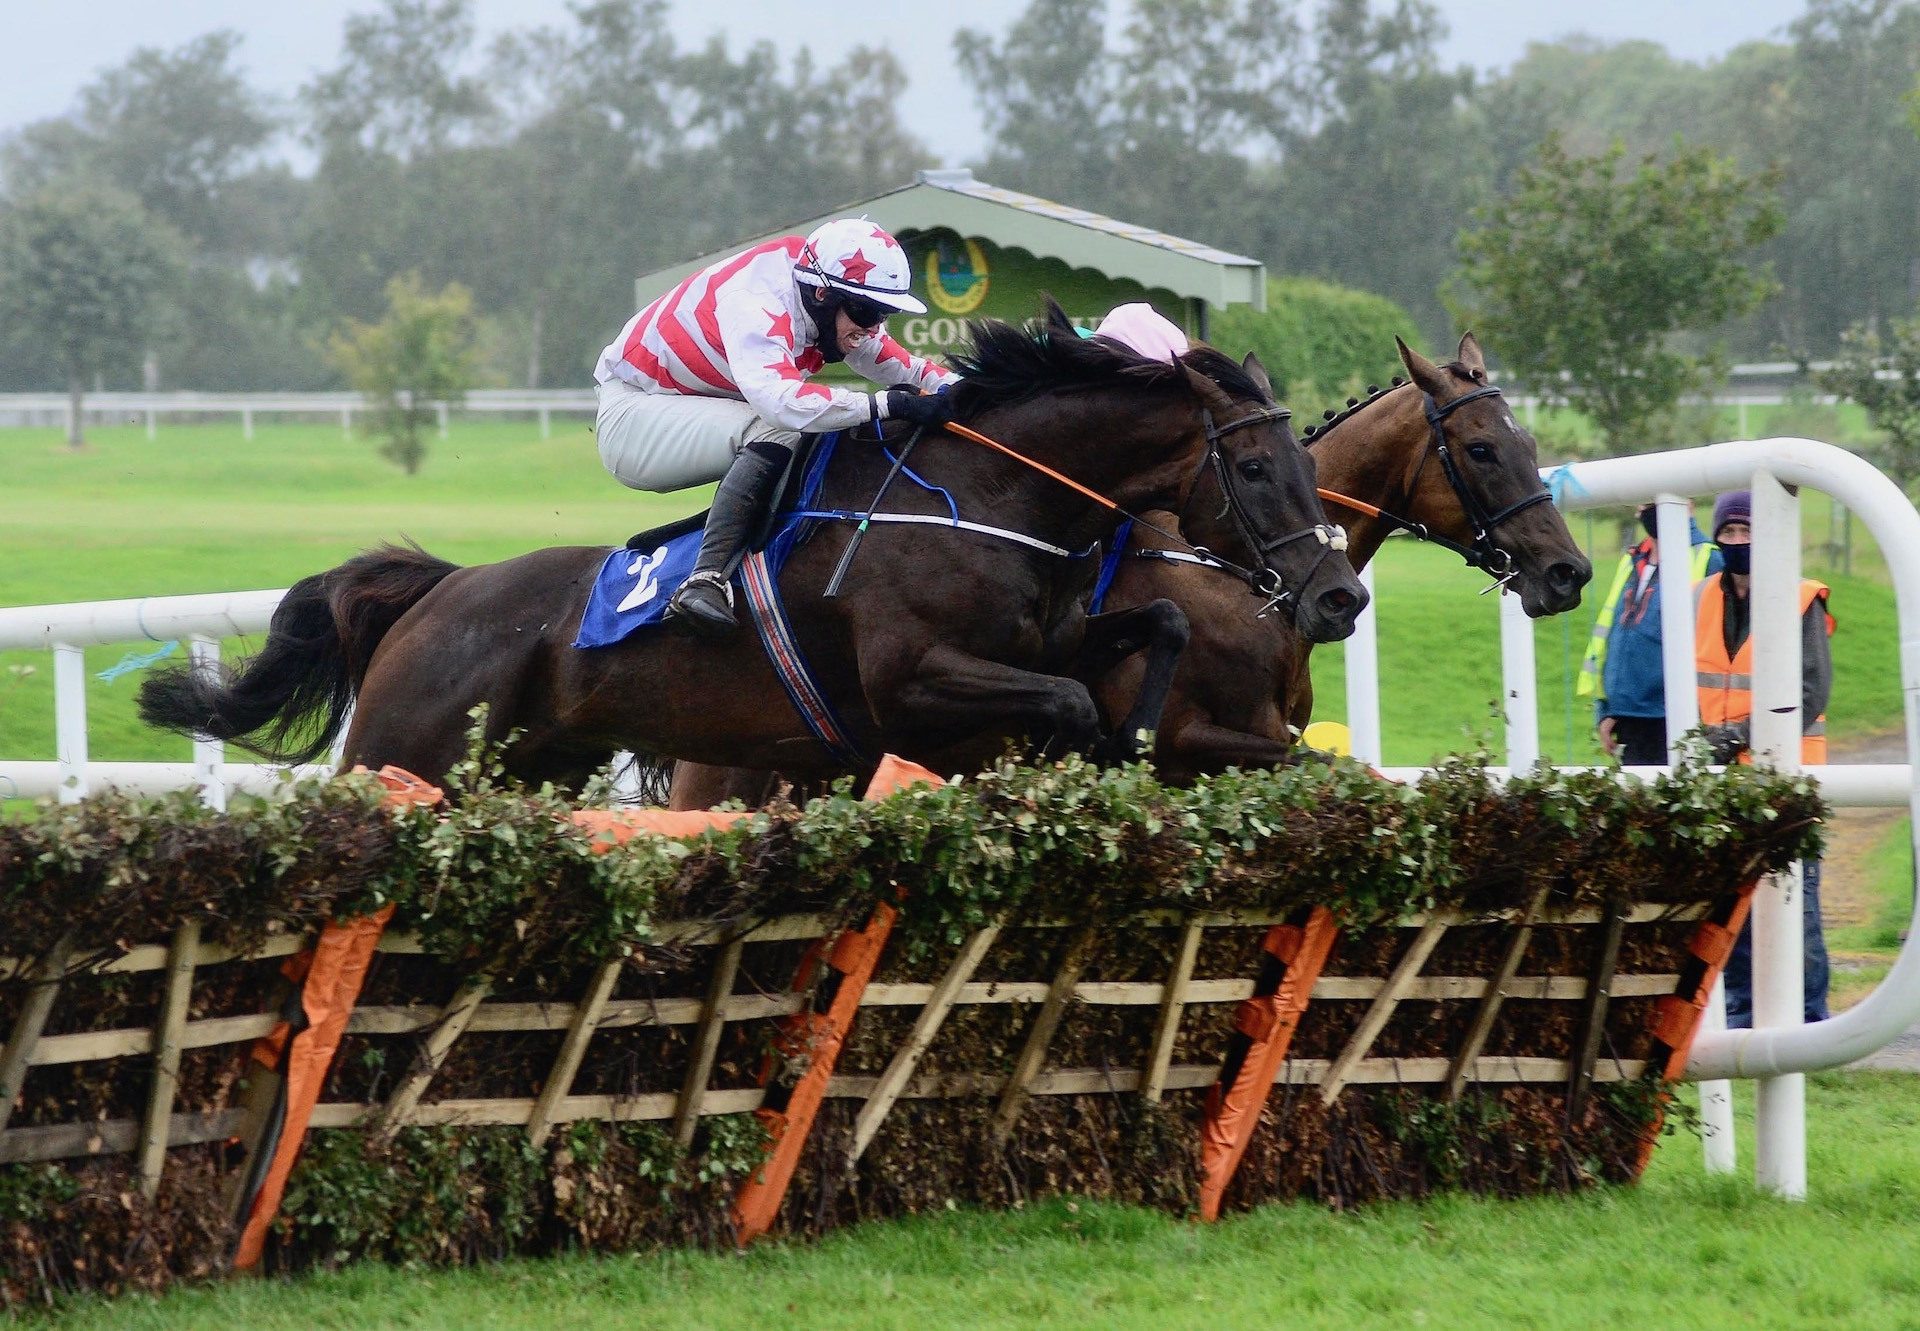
x,y
1145,330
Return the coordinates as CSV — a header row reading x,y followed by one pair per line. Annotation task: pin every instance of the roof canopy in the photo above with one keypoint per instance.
x,y
953,200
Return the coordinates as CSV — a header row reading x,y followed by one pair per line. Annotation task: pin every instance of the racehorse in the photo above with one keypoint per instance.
x,y
1439,456
939,646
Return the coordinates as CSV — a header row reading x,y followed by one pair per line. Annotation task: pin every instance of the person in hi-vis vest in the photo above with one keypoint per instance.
x,y
1723,661
1624,671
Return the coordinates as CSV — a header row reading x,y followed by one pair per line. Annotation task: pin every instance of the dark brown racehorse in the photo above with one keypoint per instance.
x,y
1441,454
941,645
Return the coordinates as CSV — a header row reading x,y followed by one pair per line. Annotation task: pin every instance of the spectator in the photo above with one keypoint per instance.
x,y
1723,657
1622,670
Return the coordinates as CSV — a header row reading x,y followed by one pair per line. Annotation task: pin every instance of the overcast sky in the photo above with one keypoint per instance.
x,y
56,46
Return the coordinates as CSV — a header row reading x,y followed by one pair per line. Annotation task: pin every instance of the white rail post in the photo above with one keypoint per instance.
x,y
546,423
70,720
1780,1105
440,410
209,755
1519,684
246,423
1683,715
346,422
153,430
1363,680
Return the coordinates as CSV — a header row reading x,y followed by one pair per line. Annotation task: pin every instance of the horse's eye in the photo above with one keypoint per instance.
x,y
1479,452
1252,469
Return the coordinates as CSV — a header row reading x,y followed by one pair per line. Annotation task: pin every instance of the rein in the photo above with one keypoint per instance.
x,y
1264,581
1482,554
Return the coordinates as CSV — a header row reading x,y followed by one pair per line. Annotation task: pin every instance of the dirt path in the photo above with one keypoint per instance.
x,y
1844,899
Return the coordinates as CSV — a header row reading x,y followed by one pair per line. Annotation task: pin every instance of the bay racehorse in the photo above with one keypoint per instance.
x,y
941,645
1439,456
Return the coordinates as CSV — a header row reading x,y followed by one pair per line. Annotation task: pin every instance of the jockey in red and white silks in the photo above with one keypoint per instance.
x,y
712,380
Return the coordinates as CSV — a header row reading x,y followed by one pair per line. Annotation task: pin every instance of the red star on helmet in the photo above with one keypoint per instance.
x,y
856,266
880,234
781,327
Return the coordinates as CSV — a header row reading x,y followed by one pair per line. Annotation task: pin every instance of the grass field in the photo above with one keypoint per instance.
x,y
200,510
1681,1250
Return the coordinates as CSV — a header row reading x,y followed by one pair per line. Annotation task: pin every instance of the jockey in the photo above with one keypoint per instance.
x,y
710,382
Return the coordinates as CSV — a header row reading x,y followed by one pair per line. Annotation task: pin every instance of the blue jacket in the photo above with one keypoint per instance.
x,y
1633,680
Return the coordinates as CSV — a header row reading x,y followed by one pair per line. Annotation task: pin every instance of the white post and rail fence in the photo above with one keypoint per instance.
x,y
1776,1054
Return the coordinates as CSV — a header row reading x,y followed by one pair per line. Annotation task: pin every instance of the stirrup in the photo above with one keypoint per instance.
x,y
699,611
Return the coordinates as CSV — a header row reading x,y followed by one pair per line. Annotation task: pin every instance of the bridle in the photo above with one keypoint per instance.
x,y
1264,579
1483,553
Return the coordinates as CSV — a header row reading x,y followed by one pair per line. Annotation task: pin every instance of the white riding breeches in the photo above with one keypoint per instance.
x,y
669,441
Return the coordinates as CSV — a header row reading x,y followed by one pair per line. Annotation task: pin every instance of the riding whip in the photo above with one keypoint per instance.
x,y
853,543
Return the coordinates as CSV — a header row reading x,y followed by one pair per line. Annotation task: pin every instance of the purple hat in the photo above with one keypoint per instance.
x,y
1733,506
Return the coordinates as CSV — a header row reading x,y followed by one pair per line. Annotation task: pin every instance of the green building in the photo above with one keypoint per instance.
x,y
979,251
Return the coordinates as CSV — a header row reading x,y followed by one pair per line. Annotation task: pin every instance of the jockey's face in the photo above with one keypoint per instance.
x,y
849,335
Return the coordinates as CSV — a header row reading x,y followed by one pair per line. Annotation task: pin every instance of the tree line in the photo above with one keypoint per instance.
x,y
543,171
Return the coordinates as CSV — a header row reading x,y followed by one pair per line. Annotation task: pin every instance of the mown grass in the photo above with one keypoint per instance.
x,y
201,509
1680,1250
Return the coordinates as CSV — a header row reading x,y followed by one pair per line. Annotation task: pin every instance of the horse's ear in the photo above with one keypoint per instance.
x,y
1470,354
1257,372
1056,318
1430,378
1211,395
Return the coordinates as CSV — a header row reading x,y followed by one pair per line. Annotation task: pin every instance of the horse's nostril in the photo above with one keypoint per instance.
x,y
1337,601
1563,578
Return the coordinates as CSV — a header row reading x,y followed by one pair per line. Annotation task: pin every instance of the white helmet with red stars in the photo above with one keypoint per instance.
x,y
854,256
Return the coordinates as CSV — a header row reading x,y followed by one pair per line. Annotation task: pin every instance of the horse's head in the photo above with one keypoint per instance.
x,y
1253,499
1477,483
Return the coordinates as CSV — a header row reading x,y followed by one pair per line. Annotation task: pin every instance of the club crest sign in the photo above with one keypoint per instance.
x,y
956,276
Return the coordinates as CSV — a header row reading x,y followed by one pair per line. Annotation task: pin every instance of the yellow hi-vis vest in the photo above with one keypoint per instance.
x,y
1726,686
1593,665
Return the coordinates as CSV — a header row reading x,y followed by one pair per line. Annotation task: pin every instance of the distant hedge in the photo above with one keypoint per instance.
x,y
1318,340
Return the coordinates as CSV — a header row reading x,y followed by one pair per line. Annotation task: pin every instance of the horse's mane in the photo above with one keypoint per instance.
x,y
1355,406
1006,363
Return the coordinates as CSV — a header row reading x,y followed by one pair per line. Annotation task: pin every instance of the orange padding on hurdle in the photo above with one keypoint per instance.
x,y
817,1037
1269,1021
1678,1017
330,975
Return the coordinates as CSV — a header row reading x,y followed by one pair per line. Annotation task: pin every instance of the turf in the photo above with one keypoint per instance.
x,y
1680,1250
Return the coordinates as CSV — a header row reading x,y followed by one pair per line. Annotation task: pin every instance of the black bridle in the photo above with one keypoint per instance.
x,y
1264,579
1484,554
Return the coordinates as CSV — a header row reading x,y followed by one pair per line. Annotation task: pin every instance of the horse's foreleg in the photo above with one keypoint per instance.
x,y
1202,747
1159,628
955,698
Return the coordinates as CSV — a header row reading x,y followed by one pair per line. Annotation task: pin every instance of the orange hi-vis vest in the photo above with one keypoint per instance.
x,y
1726,686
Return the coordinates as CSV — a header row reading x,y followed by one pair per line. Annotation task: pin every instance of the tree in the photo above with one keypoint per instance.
x,y
420,355
1317,340
85,270
1584,273
398,89
1883,376
176,129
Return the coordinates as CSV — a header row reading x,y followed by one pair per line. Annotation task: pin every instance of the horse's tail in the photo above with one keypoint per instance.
x,y
288,702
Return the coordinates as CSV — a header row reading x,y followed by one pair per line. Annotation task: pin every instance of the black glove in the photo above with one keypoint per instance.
x,y
1728,742
901,403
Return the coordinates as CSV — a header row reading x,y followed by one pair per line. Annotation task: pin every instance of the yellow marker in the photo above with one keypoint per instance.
x,y
1328,737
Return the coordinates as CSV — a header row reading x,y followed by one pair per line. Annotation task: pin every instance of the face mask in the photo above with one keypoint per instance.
x,y
1650,523
1738,558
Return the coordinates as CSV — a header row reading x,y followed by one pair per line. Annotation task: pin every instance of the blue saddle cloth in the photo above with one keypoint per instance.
x,y
633,586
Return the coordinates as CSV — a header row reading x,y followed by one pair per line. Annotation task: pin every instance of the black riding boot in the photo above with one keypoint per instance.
x,y
705,599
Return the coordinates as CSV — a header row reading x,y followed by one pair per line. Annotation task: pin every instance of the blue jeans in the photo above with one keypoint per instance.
x,y
1739,974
